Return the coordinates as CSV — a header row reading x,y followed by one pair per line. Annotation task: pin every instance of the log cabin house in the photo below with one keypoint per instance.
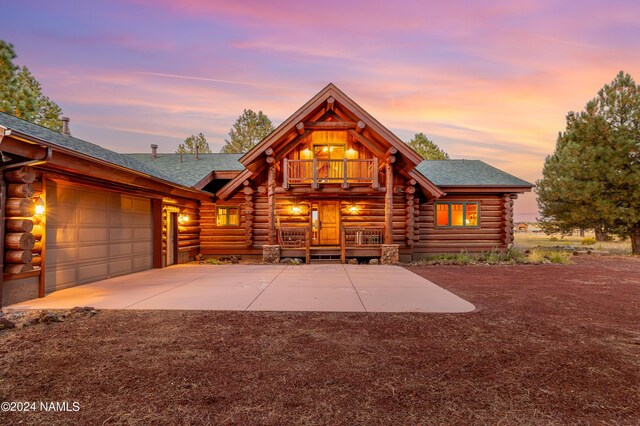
x,y
329,183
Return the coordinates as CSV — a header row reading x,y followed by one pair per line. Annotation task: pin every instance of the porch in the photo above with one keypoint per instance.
x,y
355,241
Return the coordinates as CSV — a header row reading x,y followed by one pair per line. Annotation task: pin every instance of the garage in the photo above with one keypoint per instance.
x,y
93,234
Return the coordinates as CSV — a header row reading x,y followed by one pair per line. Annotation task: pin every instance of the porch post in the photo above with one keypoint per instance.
x,y
345,178
410,197
248,212
315,184
388,203
285,173
271,199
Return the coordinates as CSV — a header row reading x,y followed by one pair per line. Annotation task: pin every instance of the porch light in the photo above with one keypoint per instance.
x,y
296,209
353,209
39,206
183,218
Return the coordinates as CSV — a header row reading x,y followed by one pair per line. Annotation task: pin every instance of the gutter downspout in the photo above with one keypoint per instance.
x,y
3,203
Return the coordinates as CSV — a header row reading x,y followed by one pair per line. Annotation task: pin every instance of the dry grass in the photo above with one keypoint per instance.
x,y
530,240
548,344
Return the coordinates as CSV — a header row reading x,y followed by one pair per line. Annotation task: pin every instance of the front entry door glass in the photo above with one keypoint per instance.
x,y
328,223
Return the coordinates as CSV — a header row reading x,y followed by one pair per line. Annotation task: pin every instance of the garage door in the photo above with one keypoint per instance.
x,y
92,234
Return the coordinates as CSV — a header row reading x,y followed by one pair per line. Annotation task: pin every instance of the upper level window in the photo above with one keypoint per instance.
x,y
457,214
227,216
328,152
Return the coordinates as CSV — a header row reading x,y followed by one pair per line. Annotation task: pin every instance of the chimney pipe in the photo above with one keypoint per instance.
x,y
197,152
154,151
65,125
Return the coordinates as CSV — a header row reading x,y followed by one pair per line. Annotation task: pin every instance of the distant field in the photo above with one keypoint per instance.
x,y
528,240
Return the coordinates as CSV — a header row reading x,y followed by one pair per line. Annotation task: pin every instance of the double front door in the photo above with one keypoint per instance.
x,y
326,223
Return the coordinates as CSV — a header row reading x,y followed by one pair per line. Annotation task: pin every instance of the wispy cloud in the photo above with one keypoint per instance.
x,y
491,81
215,80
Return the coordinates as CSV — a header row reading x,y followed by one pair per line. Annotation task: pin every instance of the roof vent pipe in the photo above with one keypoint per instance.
x,y
65,125
154,151
197,152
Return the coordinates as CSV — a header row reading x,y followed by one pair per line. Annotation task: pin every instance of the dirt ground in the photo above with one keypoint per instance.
x,y
548,344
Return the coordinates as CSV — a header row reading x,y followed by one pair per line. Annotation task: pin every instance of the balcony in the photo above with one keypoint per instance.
x,y
317,172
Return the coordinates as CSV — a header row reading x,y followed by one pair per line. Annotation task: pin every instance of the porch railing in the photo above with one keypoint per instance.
x,y
316,172
360,237
296,237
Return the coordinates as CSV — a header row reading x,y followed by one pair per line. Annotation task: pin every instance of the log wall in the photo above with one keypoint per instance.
x,y
188,232
217,240
225,239
371,213
489,235
23,228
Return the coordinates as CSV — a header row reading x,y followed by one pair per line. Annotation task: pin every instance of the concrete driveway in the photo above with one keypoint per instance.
x,y
324,287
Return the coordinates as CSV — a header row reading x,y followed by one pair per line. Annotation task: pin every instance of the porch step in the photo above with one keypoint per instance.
x,y
325,261
324,254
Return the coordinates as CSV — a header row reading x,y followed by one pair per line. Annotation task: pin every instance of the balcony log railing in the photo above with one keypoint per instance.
x,y
317,172
296,237
360,237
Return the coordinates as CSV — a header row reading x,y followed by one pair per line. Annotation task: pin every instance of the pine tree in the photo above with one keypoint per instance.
x,y
46,113
592,180
8,79
249,129
21,94
427,148
193,141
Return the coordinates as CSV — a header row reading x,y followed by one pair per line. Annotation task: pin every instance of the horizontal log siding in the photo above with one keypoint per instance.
x,y
487,236
260,220
371,213
188,233
283,212
231,239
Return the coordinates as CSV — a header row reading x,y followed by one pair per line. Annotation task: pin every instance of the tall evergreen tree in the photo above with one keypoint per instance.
x,y
427,148
193,141
592,180
8,79
47,113
21,94
249,129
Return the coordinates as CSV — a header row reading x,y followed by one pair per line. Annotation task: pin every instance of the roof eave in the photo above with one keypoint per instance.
x,y
487,188
31,139
426,184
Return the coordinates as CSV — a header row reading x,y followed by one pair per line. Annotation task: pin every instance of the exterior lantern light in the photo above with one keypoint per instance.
x,y
296,209
353,208
183,218
39,206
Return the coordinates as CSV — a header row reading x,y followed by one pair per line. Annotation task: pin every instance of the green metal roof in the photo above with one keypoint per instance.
x,y
467,173
78,145
190,171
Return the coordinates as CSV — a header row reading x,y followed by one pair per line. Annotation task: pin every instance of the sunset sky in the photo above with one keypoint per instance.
x,y
484,82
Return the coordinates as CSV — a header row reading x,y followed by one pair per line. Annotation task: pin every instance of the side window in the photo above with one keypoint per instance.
x,y
442,212
458,214
227,216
